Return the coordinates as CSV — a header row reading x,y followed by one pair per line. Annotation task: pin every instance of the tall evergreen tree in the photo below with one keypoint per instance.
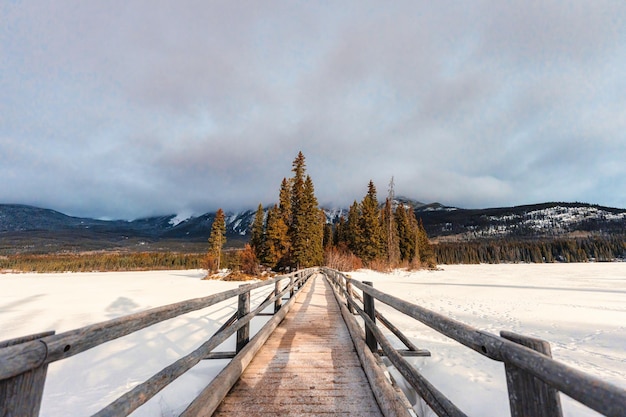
x,y
306,230
315,221
426,253
339,234
406,235
371,245
415,236
217,238
284,201
298,213
329,238
257,238
353,228
276,240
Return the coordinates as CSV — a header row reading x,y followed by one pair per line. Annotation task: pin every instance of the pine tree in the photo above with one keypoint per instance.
x,y
371,245
426,253
257,238
276,240
415,237
284,201
315,221
298,224
339,234
353,228
217,239
406,235
329,238
306,230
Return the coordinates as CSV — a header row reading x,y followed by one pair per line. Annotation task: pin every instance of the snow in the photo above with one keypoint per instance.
x,y
557,218
579,308
179,218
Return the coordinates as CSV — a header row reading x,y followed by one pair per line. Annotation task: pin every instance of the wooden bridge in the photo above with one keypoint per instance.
x,y
308,365
312,357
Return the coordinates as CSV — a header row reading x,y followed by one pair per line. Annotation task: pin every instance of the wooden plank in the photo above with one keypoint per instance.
x,y
302,362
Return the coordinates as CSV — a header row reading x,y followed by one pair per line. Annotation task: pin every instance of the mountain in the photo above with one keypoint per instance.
x,y
39,230
546,220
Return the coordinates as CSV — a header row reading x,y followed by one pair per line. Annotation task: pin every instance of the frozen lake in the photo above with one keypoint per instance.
x,y
579,308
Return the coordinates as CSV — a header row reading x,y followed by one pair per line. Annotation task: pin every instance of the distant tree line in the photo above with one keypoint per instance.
x,y
105,261
600,249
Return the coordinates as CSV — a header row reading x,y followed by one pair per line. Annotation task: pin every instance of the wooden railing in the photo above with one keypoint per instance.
x,y
24,361
534,379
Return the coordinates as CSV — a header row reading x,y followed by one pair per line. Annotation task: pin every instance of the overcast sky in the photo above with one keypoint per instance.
x,y
125,109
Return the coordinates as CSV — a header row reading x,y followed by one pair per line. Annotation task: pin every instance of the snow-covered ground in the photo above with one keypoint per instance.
x,y
579,308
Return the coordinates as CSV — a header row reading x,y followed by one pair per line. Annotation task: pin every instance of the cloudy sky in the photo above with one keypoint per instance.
x,y
125,109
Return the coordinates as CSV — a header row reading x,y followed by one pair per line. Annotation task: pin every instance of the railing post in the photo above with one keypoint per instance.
x,y
528,395
370,310
292,290
349,296
278,301
243,334
21,395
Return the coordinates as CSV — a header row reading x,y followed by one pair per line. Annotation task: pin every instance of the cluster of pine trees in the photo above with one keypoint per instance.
x,y
382,237
292,233
217,240
295,234
600,249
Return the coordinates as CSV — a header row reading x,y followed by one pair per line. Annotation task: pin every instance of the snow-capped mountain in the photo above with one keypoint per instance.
x,y
532,221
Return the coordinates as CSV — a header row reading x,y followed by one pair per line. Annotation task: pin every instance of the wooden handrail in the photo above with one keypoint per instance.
x,y
21,358
589,390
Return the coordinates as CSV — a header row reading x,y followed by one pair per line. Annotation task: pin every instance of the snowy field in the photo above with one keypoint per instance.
x,y
579,308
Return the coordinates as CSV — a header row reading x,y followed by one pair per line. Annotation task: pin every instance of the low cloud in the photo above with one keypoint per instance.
x,y
120,110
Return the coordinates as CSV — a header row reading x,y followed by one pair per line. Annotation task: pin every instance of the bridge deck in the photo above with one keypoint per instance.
x,y
308,366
